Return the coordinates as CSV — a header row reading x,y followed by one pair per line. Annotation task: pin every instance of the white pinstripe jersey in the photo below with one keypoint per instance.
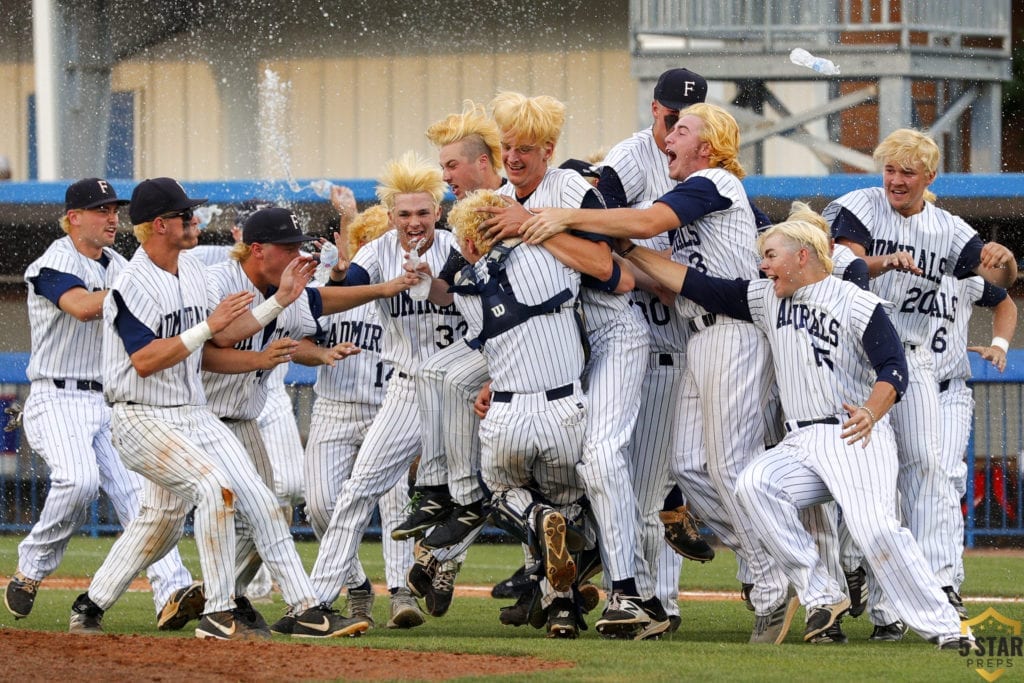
x,y
935,237
642,168
842,257
63,347
566,189
242,396
669,332
722,243
414,329
211,254
817,348
544,351
949,331
361,378
167,305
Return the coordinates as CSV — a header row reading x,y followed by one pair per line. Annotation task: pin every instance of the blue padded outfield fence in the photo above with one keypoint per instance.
x,y
994,503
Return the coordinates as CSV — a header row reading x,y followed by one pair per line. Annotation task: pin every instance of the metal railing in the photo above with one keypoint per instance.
x,y
772,25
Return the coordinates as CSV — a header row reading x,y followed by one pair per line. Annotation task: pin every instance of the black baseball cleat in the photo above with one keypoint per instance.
x,y
227,625
683,536
420,576
86,617
889,633
430,505
442,589
513,586
251,616
323,622
21,595
957,602
459,524
821,619
855,584
561,621
182,607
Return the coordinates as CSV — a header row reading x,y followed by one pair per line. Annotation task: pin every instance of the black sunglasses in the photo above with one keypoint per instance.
x,y
185,216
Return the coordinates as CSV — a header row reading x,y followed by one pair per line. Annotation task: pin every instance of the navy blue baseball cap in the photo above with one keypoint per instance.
x,y
159,196
88,193
273,226
679,88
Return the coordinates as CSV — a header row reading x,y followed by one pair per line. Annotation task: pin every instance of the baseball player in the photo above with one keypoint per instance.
x,y
412,189
65,418
521,299
348,396
909,244
618,343
154,320
716,235
635,174
841,367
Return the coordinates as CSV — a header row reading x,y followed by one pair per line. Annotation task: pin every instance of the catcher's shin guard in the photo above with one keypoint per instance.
x,y
510,520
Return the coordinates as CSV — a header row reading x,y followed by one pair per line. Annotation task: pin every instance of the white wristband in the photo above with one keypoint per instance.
x,y
1000,343
267,311
194,336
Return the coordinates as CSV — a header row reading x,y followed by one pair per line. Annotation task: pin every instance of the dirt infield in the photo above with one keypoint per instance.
x,y
35,656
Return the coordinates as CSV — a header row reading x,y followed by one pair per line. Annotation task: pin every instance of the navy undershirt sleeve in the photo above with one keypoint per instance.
x,y
992,296
694,197
356,275
717,294
848,226
53,284
134,334
969,259
610,187
761,219
455,263
885,351
857,273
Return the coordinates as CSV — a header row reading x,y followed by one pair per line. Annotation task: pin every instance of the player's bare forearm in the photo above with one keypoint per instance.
x,y
647,283
309,354
662,271
439,294
82,305
336,299
158,355
863,418
641,223
584,256
230,361
232,321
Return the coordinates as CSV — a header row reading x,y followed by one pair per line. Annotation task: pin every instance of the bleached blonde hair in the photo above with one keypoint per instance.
x,y
143,231
367,226
240,251
907,147
802,211
722,134
530,120
410,174
477,132
465,220
801,234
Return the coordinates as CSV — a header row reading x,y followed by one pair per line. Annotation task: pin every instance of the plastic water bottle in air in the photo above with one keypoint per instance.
x,y
420,290
206,213
802,57
322,188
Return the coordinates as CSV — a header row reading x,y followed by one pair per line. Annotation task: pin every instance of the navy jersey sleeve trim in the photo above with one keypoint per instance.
x,y
53,284
857,273
134,334
969,259
610,187
316,302
717,294
885,351
761,219
693,198
355,276
848,226
608,285
992,296
592,200
455,263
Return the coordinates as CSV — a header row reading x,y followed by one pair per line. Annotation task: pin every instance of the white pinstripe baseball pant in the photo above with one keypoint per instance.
x,y
614,375
70,430
813,465
956,404
391,443
284,445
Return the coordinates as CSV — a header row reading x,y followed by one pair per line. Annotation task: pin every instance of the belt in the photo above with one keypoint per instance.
x,y
80,384
800,424
550,394
943,385
701,323
665,359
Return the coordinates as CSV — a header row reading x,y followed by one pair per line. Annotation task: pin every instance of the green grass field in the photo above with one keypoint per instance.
x,y
710,645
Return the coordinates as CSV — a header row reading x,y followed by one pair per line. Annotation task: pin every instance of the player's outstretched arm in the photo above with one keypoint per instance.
x,y
582,255
998,265
337,299
294,279
640,223
160,354
309,353
663,271
230,361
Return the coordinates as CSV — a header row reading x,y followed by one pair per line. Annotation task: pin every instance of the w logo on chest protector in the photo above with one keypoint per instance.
x,y
498,310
